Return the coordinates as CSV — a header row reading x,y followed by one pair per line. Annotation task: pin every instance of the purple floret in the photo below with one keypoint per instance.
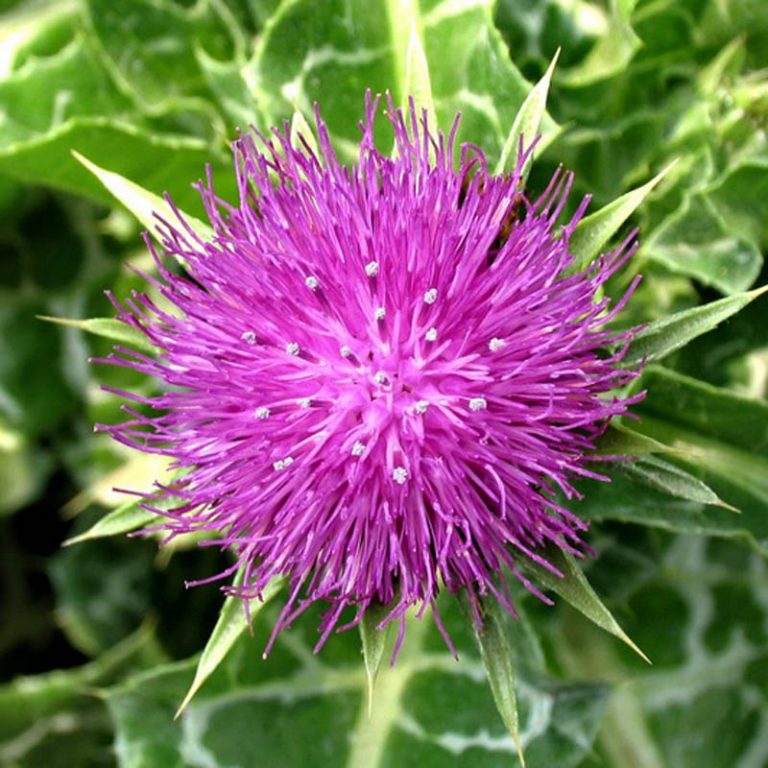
x,y
377,377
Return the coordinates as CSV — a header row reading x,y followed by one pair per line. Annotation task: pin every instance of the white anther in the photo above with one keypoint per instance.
x,y
282,464
421,406
249,337
358,449
292,348
380,377
431,334
345,351
372,268
311,282
430,297
496,344
261,413
380,313
478,404
304,402
400,475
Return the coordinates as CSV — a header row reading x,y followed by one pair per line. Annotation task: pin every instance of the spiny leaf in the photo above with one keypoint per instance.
x,y
664,336
374,641
496,651
593,232
417,81
127,517
620,440
139,201
666,477
108,328
527,122
574,588
231,624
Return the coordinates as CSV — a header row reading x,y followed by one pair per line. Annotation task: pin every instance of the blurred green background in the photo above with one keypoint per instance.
x,y
95,638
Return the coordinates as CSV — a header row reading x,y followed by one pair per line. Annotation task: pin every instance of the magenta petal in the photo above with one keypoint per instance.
x,y
378,376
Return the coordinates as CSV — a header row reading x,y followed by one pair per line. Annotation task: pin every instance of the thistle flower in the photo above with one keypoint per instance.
x,y
378,378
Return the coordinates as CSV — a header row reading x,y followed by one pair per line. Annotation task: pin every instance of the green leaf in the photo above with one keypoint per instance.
x,y
527,122
707,425
53,720
594,232
410,59
374,643
612,52
574,588
496,652
140,202
664,336
699,241
35,395
64,99
666,477
620,440
108,328
304,57
478,78
103,591
29,29
231,624
700,615
23,470
417,81
126,518
716,435
149,47
301,709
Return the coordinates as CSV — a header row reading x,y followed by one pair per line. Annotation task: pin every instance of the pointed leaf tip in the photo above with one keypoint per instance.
x,y
594,231
527,121
670,479
126,518
106,327
230,626
669,334
142,203
417,80
574,588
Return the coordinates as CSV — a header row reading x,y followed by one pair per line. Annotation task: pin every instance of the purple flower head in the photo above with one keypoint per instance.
x,y
379,377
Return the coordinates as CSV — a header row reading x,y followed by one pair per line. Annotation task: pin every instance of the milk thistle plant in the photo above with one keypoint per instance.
x,y
379,380
386,380
377,377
